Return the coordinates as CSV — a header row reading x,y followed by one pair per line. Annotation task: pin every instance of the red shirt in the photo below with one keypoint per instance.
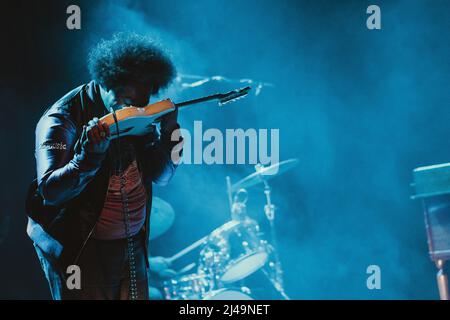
x,y
111,223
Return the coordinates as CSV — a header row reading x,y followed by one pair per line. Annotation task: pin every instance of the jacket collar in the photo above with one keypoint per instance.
x,y
95,100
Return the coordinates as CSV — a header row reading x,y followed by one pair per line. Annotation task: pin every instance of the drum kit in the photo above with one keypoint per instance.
x,y
233,252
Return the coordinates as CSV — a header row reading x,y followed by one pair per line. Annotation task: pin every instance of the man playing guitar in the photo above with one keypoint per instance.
x,y
90,204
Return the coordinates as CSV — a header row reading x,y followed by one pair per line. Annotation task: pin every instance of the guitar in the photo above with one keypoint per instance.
x,y
134,121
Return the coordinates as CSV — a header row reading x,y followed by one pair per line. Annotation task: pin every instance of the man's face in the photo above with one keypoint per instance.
x,y
138,96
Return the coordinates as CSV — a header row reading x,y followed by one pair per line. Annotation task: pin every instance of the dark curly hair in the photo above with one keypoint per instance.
x,y
130,59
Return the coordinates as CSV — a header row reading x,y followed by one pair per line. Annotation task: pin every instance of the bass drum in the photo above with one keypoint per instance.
x,y
227,294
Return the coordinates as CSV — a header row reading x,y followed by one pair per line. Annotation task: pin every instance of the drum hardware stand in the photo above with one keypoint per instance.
x,y
230,196
269,210
238,212
442,280
238,208
431,185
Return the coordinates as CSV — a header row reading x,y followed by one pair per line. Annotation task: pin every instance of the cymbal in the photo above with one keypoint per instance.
x,y
161,218
265,173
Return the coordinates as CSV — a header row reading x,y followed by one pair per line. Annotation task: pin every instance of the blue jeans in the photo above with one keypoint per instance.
x,y
104,271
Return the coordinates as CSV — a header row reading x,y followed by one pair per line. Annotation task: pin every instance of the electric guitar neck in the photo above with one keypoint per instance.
x,y
223,98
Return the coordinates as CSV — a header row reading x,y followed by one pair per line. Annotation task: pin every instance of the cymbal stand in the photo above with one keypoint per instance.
x,y
269,210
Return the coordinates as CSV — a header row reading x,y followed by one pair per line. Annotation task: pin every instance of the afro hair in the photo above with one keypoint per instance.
x,y
130,59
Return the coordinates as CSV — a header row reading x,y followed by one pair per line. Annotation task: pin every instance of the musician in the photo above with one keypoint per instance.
x,y
90,204
160,271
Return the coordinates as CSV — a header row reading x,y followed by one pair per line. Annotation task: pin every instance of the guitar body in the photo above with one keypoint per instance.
x,y
133,121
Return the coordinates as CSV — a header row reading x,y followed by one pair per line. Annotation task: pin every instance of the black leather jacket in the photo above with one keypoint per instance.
x,y
65,201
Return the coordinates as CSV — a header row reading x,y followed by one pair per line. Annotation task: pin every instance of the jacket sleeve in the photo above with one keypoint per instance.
x,y
62,172
161,156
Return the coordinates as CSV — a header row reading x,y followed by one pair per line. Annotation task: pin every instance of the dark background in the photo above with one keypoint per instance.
x,y
360,109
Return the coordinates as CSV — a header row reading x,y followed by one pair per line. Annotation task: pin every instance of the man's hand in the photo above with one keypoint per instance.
x,y
158,264
95,137
161,266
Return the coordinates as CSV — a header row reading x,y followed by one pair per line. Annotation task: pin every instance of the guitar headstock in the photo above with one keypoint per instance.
x,y
232,96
